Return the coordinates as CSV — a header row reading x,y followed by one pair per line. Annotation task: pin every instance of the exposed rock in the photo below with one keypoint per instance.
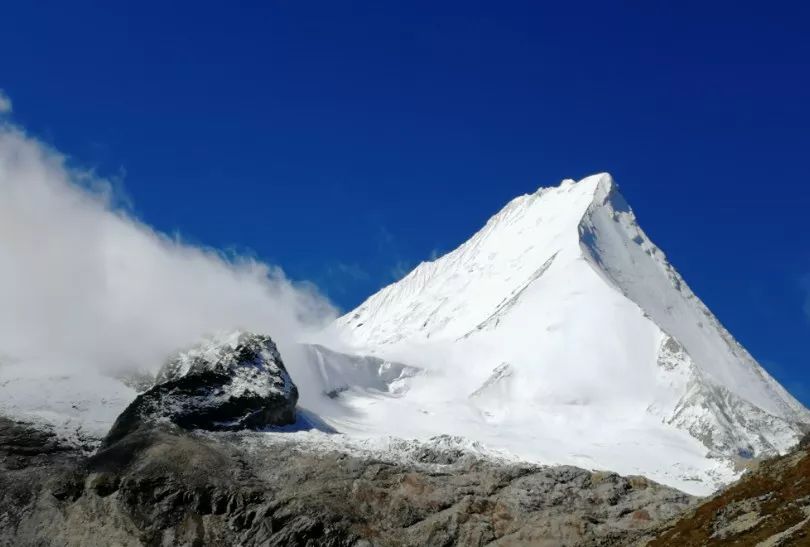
x,y
19,442
154,483
29,460
166,486
231,383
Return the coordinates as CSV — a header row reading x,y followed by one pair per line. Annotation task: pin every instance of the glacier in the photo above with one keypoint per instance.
x,y
559,333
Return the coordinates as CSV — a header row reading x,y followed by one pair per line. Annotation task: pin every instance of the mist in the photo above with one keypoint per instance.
x,y
84,284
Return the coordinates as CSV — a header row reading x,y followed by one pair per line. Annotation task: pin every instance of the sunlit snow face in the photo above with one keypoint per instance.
x,y
543,334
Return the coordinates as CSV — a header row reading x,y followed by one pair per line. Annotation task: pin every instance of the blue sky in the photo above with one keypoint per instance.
x,y
347,141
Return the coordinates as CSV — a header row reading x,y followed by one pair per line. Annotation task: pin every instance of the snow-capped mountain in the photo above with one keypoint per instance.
x,y
561,333
557,334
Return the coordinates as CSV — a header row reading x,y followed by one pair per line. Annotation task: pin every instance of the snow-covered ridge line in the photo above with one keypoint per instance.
x,y
558,314
464,265
632,255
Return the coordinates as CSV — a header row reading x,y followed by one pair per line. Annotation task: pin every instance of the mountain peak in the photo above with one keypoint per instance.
x,y
591,181
599,334
500,260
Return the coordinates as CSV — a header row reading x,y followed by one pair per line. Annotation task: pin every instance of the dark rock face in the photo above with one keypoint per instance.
x,y
30,460
166,486
237,382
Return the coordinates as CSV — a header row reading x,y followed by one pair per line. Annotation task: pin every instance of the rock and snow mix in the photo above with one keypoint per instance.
x,y
250,362
557,334
229,383
77,405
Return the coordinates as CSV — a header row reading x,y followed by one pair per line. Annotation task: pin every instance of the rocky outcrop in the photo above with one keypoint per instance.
x,y
31,461
229,383
166,486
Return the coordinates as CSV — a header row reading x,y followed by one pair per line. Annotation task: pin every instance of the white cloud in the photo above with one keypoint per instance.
x,y
83,284
5,103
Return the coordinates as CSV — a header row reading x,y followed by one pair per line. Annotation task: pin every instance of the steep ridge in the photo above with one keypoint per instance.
x,y
618,248
560,333
497,262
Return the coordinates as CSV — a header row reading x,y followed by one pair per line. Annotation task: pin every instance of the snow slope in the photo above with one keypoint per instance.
x,y
77,404
559,332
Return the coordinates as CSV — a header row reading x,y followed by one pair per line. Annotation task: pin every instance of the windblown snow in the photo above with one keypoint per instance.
x,y
559,332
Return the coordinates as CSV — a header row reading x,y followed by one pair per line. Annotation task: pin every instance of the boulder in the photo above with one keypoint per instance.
x,y
227,383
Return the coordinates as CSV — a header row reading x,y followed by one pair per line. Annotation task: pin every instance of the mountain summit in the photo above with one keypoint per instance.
x,y
557,334
561,333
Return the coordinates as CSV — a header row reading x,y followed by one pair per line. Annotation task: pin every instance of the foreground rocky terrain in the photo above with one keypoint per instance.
x,y
165,486
178,468
208,456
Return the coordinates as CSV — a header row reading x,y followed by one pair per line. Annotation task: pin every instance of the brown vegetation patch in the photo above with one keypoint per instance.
x,y
772,499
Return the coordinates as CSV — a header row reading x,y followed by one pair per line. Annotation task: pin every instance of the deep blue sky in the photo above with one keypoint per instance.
x,y
347,141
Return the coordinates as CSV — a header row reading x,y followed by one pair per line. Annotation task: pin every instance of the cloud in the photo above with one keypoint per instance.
x,y
84,284
5,103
